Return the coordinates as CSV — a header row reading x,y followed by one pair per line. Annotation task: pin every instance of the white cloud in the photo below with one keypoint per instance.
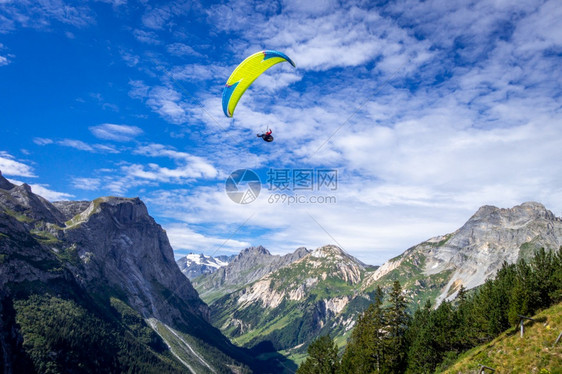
x,y
314,8
147,37
115,3
189,167
88,184
348,222
183,238
332,37
76,144
182,49
83,146
44,191
119,133
41,14
9,166
42,141
157,17
199,72
165,101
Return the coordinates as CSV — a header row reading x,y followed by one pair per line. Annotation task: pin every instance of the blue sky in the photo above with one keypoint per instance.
x,y
426,110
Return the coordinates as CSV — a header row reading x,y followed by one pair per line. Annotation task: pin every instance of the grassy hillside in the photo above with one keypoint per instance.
x,y
509,353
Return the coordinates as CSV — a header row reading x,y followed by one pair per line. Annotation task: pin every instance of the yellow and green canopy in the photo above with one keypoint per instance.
x,y
245,74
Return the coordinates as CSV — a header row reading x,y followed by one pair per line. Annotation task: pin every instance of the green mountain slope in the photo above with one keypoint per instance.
x,y
289,307
325,290
59,333
509,353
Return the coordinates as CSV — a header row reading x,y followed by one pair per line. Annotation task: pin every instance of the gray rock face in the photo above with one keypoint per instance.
x,y
91,252
115,244
4,183
121,245
24,259
477,250
71,208
249,265
491,236
20,200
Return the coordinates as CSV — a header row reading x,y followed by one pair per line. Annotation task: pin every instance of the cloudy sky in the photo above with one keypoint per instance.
x,y
425,111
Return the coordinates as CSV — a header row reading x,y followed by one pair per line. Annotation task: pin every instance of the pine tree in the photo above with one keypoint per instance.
x,y
462,335
556,292
521,293
542,278
421,351
397,323
322,357
365,349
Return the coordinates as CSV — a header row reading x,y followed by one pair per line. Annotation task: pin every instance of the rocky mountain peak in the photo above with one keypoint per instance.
x,y
253,251
321,284
21,200
4,183
519,214
329,251
70,209
248,266
196,264
302,251
120,210
105,257
477,250
123,210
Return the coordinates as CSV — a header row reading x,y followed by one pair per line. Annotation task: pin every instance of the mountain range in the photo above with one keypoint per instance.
x,y
93,287
283,307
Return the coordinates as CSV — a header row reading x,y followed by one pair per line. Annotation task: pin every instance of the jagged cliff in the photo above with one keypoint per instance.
x,y
124,248
109,261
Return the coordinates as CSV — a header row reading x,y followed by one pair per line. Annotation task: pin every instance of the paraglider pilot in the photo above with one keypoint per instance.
x,y
266,136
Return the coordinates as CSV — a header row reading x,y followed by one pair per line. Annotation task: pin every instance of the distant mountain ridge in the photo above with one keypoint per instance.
x,y
196,264
326,287
291,305
248,266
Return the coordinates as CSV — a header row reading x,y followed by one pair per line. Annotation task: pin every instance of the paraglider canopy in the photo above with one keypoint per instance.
x,y
245,74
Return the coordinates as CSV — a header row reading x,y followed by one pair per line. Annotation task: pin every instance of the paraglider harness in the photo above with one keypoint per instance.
x,y
267,136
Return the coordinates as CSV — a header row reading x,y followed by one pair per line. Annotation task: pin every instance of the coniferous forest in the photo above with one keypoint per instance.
x,y
388,339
